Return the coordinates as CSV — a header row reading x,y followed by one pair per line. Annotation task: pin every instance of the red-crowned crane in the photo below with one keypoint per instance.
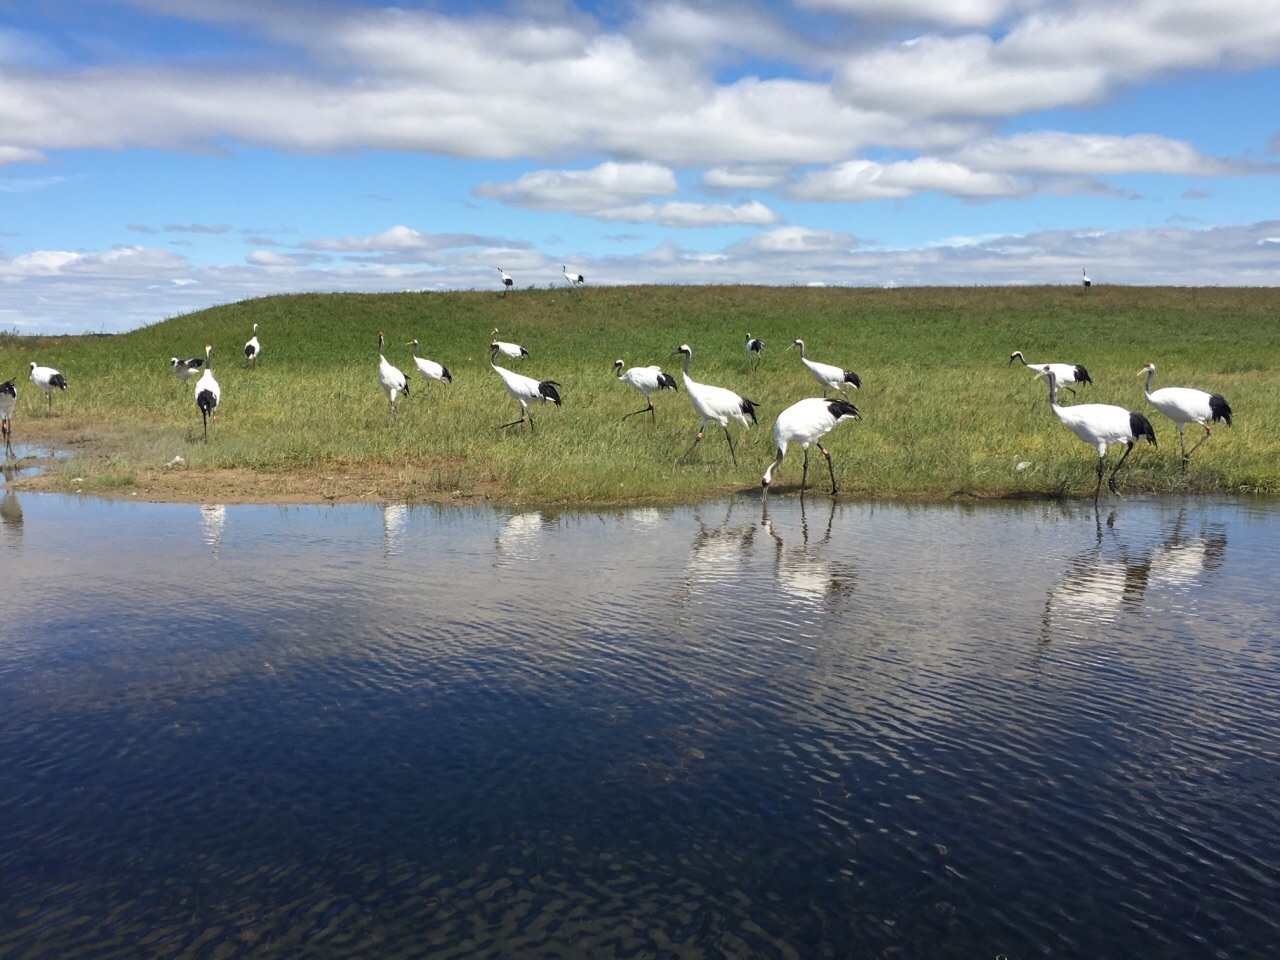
x,y
524,389
184,370
826,374
804,422
755,347
512,350
574,278
1084,279
1185,405
507,282
47,379
646,380
715,403
1099,424
208,393
8,400
390,378
1067,373
429,369
252,348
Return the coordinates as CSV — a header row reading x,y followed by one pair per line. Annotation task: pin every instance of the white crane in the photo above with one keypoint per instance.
x,y
1185,405
8,400
574,278
512,350
184,370
429,369
390,378
1084,279
208,393
806,422
507,282
524,389
715,403
646,380
754,347
1099,424
47,379
829,376
252,348
1067,373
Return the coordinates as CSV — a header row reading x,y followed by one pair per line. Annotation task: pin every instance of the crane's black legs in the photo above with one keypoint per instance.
x,y
804,474
8,445
1111,480
524,415
204,415
731,450
1186,454
648,409
1098,489
830,469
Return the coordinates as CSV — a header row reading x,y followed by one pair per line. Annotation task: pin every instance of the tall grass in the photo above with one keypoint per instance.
x,y
944,412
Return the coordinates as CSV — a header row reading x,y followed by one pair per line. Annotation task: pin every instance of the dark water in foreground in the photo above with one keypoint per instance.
x,y
852,731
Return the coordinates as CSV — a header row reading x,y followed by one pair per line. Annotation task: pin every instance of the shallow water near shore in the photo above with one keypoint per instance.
x,y
969,730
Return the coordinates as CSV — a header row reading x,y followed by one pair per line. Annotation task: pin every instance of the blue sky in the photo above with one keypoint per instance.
x,y
161,156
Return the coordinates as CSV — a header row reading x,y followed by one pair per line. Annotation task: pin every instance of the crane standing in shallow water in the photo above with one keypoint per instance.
x,y
806,422
1099,424
1185,405
715,403
8,400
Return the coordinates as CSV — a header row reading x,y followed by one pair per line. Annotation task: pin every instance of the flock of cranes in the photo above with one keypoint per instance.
x,y
805,422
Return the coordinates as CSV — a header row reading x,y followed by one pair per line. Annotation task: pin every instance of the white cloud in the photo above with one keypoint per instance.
x,y
607,186
683,214
19,155
1095,155
797,240
949,13
867,180
724,179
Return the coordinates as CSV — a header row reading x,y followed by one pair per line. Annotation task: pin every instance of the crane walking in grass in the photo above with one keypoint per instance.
x,y
524,389
208,393
8,400
715,403
507,282
806,422
429,369
1185,405
184,370
1067,373
574,278
831,377
48,380
390,378
755,346
252,348
647,380
1099,424
512,350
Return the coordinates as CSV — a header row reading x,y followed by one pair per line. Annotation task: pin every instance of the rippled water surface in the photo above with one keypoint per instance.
x,y
828,731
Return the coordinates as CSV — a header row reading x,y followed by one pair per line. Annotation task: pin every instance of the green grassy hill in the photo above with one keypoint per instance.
x,y
943,410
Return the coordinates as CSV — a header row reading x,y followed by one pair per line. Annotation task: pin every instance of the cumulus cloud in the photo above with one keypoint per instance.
x,y
867,180
607,186
1096,154
947,13
401,239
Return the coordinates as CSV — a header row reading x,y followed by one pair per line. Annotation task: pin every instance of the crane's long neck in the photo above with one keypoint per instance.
x,y
1023,360
1053,395
687,356
1151,374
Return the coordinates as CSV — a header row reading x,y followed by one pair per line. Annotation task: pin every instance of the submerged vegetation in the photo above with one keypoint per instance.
x,y
944,412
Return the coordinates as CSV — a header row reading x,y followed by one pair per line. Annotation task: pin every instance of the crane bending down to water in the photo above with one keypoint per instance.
x,y
806,422
1185,405
1099,424
524,389
715,403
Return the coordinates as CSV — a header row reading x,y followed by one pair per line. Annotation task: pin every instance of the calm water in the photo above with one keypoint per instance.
x,y
835,731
